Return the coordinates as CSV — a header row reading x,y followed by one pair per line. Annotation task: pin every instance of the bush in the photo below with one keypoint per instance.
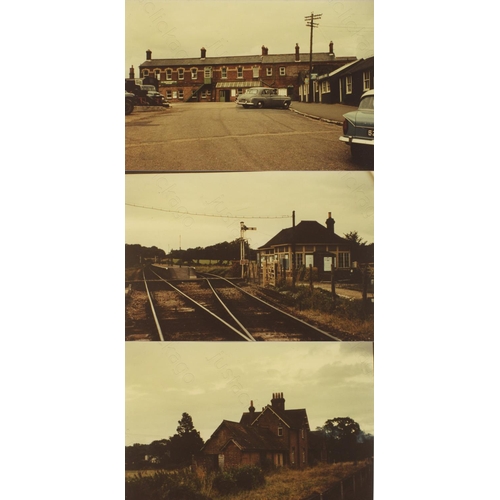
x,y
225,483
241,479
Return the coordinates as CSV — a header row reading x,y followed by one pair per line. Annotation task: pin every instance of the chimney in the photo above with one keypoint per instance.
x,y
203,52
251,408
297,55
278,402
263,50
330,223
148,55
131,73
331,49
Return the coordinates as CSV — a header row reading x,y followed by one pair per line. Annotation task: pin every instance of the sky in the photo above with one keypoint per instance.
x,y
264,200
173,29
215,381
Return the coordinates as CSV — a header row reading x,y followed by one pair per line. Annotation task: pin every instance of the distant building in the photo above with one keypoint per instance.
x,y
313,244
274,435
222,78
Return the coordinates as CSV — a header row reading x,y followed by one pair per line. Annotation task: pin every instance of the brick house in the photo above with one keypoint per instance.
x,y
274,435
315,245
222,78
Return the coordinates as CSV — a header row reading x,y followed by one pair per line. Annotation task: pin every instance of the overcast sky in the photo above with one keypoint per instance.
x,y
172,29
227,199
215,381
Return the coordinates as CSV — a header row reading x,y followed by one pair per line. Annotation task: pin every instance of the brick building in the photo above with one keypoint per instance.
x,y
222,78
275,435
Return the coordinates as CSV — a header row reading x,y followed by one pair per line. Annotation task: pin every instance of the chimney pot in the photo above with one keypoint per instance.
x,y
203,52
297,52
331,48
148,55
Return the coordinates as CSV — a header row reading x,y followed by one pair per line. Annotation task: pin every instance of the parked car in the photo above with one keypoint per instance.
x,y
358,127
263,97
129,102
153,97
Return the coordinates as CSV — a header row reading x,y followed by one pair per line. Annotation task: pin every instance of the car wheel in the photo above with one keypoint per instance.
x,y
286,104
245,106
129,107
259,104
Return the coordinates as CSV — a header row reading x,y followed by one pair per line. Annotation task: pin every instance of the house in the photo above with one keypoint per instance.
x,y
312,244
274,435
347,84
222,78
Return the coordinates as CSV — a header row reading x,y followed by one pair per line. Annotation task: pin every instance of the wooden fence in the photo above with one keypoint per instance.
x,y
359,486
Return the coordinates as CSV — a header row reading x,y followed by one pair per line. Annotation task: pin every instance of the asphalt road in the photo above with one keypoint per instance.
x,y
227,137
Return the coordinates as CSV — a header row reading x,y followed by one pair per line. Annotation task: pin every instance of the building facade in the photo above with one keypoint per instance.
x,y
223,78
275,434
347,84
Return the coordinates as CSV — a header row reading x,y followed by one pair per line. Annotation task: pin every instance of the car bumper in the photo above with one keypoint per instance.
x,y
245,103
349,139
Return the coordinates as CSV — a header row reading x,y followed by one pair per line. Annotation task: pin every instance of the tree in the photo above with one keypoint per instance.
x,y
186,442
341,436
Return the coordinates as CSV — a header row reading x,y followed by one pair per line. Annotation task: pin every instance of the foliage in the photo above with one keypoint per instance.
x,y
239,479
136,254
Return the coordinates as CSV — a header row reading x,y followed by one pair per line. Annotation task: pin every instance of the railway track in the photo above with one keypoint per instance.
x,y
214,308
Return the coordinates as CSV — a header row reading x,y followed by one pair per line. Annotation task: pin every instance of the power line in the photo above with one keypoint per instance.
x,y
226,216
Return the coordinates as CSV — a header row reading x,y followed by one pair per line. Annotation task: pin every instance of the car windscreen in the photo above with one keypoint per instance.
x,y
252,91
366,102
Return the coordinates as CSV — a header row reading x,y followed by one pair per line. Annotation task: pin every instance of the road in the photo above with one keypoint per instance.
x,y
226,137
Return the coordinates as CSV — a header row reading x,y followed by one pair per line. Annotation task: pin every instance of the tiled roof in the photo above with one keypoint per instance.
x,y
321,57
351,68
306,232
294,418
252,438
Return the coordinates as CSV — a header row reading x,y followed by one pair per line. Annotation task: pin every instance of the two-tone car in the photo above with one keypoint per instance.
x,y
358,127
263,97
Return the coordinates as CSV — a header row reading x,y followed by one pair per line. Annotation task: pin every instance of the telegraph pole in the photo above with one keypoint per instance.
x,y
310,22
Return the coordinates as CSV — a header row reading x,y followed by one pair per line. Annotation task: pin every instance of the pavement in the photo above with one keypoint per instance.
x,y
331,113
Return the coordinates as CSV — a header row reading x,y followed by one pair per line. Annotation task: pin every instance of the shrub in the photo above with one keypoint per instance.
x,y
225,483
249,477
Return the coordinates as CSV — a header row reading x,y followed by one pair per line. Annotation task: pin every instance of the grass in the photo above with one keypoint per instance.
x,y
281,484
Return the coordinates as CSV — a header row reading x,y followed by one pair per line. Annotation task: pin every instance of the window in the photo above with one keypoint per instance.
x,y
194,73
180,72
325,87
255,72
208,72
169,94
303,456
204,94
169,74
157,74
280,431
181,94
300,259
145,72
344,259
269,71
224,73
366,80
348,84
240,72
282,71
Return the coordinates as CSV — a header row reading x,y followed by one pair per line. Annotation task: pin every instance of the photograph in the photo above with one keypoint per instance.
x,y
266,422
249,85
249,256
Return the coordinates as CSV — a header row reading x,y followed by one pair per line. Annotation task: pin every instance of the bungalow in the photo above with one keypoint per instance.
x,y
274,435
346,84
313,245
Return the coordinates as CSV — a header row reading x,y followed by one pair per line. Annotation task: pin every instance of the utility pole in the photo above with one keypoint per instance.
x,y
310,22
243,228
293,250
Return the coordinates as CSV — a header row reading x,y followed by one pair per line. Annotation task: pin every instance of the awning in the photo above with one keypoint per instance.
x,y
238,85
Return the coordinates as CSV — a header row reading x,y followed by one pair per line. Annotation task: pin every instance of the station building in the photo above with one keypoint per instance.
x,y
223,78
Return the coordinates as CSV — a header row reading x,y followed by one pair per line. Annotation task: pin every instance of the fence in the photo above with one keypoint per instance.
x,y
358,486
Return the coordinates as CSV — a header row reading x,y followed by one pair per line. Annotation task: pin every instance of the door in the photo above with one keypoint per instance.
x,y
221,461
327,264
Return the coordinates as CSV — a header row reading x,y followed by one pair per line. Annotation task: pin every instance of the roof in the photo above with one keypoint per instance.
x,y
351,67
292,418
306,232
249,438
320,57
239,84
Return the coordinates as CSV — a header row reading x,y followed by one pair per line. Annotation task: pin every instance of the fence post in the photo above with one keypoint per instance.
x,y
311,277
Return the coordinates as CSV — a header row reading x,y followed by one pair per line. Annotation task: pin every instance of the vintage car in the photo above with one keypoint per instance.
x,y
129,102
358,127
263,97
